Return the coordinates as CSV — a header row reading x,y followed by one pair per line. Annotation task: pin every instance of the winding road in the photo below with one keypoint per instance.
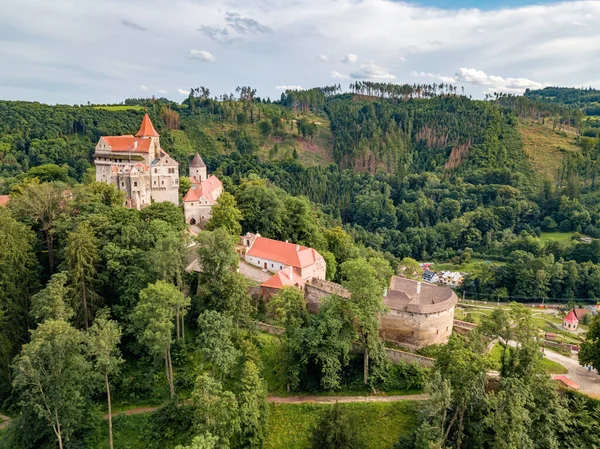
x,y
589,381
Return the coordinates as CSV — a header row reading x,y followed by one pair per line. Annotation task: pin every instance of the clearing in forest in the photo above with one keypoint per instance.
x,y
546,147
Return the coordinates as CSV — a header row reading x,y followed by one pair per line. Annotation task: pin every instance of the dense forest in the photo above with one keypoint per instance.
x,y
98,296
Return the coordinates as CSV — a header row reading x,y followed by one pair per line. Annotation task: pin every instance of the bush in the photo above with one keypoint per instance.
x,y
335,431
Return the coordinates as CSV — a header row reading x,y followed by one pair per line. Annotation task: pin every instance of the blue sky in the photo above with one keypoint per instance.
x,y
75,51
485,5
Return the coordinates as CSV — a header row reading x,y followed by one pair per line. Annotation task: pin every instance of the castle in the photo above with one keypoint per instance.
x,y
138,166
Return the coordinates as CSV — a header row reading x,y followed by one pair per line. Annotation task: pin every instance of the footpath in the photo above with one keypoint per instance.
x,y
303,400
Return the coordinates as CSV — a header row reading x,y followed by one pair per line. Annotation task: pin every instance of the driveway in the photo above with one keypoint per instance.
x,y
589,381
254,273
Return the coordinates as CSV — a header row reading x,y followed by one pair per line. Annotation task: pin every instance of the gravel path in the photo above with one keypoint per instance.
x,y
253,273
589,381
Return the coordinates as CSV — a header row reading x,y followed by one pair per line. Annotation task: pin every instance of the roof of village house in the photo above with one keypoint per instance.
x,y
197,161
571,317
147,128
287,253
4,199
580,313
282,279
402,295
205,189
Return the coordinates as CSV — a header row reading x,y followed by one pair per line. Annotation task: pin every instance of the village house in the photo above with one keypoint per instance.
x,y
138,166
292,264
451,278
431,277
201,197
4,200
571,322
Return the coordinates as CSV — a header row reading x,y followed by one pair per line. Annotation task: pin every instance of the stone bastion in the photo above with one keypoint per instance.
x,y
418,315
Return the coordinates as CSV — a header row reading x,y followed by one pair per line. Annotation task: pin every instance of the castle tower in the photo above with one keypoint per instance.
x,y
147,131
198,168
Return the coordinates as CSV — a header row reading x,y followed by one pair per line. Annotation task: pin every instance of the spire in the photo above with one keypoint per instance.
x,y
197,161
146,129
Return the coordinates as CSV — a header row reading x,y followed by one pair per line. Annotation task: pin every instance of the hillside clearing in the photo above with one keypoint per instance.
x,y
545,147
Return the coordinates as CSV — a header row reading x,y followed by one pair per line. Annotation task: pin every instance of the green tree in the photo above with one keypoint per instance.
x,y
214,341
165,211
217,256
81,258
265,128
225,214
216,410
153,318
49,173
366,302
288,307
52,376
262,210
253,408
410,268
335,430
50,303
41,204
205,441
18,280
184,185
103,340
589,353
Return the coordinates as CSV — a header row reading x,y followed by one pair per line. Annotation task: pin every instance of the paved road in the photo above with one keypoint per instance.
x,y
589,381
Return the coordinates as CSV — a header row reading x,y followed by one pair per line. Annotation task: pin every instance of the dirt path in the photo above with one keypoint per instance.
x,y
302,400
344,399
5,420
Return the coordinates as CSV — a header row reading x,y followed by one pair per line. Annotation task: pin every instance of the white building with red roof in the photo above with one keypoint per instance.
x,y
205,190
138,166
571,322
292,264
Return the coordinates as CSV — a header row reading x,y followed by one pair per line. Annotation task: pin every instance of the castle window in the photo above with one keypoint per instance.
x,y
281,267
154,182
171,170
122,184
163,183
134,184
156,170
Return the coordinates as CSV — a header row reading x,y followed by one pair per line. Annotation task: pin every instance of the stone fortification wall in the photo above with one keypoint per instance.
x,y
396,356
417,330
316,289
411,329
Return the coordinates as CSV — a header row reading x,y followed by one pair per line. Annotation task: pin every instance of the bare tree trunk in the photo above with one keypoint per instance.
x,y
85,309
50,245
58,434
460,428
177,320
366,364
110,432
169,368
182,327
450,427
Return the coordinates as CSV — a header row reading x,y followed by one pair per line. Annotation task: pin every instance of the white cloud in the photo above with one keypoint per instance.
x,y
435,76
497,83
373,72
289,87
339,75
350,58
402,58
202,55
143,87
183,91
323,58
162,91
541,42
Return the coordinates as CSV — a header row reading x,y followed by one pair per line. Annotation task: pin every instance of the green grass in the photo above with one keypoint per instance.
x,y
379,423
557,236
550,366
120,107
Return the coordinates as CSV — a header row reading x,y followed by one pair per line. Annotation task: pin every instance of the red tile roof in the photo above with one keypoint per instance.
x,y
568,382
288,253
571,318
580,313
282,279
127,143
147,129
205,189
4,199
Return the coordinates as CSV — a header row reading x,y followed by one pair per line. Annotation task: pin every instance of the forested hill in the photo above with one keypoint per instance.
x,y
586,99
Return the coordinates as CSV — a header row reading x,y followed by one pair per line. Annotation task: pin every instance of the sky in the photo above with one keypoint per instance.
x,y
103,51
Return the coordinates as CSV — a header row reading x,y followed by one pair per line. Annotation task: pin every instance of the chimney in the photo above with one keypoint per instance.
x,y
291,274
134,144
418,289
297,248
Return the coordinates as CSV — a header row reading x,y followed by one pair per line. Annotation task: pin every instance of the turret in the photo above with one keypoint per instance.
x,y
198,169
